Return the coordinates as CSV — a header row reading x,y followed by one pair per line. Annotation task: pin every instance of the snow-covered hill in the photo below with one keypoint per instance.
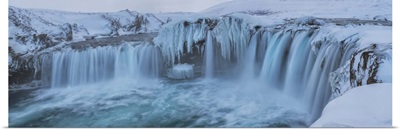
x,y
33,29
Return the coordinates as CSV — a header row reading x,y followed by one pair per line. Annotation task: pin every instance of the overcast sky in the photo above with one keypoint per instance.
x,y
153,6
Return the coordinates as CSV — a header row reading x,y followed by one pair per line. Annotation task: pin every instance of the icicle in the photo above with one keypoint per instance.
x,y
172,39
233,35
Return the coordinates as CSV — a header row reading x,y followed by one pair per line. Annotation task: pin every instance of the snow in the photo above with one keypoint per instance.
x,y
49,21
274,12
258,20
375,34
385,69
365,106
361,9
86,19
9,59
364,35
181,71
18,48
173,15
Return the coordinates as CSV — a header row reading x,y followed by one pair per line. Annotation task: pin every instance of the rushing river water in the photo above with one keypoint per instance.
x,y
158,103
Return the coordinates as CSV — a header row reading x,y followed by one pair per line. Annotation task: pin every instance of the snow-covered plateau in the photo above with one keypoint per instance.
x,y
241,63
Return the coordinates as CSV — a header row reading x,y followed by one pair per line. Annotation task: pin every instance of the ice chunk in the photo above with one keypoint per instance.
x,y
181,71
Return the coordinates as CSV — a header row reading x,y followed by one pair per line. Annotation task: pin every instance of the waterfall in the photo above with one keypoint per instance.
x,y
209,58
290,65
274,61
295,61
251,55
78,67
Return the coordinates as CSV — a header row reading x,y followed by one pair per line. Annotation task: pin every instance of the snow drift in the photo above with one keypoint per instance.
x,y
364,106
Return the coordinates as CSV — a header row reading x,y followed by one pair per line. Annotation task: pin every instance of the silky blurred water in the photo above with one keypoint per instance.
x,y
157,103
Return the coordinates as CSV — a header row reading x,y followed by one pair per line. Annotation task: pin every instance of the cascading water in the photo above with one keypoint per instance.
x,y
91,65
251,55
273,68
289,64
295,61
209,58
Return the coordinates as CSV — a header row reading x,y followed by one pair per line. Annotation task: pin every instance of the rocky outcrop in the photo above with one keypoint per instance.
x,y
22,69
365,64
363,69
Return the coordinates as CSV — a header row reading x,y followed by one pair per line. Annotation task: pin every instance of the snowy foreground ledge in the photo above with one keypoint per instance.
x,y
365,106
181,71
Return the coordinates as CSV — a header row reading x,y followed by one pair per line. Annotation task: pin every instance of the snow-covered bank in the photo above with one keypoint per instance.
x,y
365,106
